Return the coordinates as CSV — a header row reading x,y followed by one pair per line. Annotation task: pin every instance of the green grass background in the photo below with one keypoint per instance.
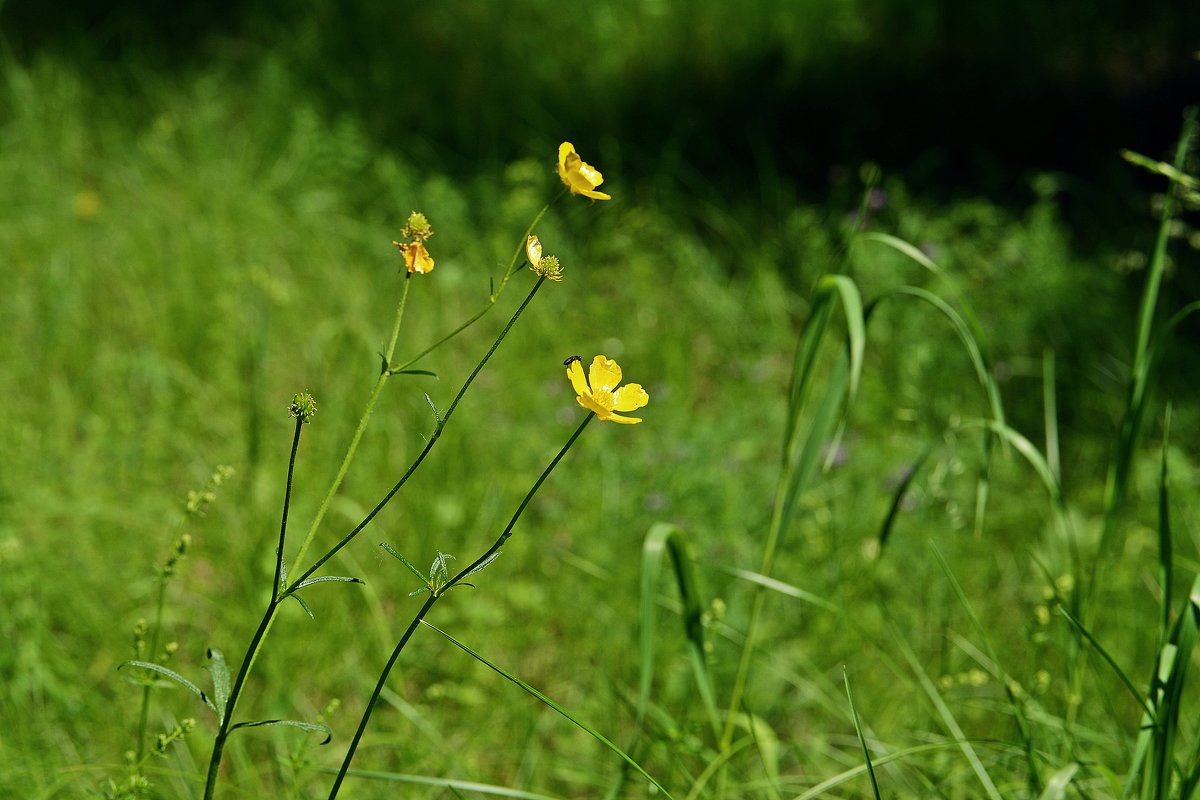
x,y
182,252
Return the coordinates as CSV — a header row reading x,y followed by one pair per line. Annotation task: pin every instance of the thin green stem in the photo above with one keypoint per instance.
x,y
214,763
152,651
434,597
443,420
508,529
383,676
768,562
508,273
384,374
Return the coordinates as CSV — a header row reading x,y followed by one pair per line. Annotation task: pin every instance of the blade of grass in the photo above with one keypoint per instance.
x,y
1131,424
862,740
779,586
1035,781
982,372
547,701
948,720
664,538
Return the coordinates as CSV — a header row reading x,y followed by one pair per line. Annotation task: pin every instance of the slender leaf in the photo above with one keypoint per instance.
x,y
947,716
411,566
997,669
311,727
326,579
1143,362
779,586
220,676
1108,659
175,676
885,530
663,539
1056,786
547,701
487,789
303,604
862,740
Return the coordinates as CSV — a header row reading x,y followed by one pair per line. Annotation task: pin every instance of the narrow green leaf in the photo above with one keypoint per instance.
x,y
311,727
997,669
1056,786
805,460
1027,449
1143,361
175,676
411,566
1166,560
885,530
664,538
490,790
220,676
547,701
482,565
303,604
862,740
779,586
974,351
947,716
425,372
1108,659
326,579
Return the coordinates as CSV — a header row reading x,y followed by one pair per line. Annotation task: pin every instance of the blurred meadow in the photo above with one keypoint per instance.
x,y
197,208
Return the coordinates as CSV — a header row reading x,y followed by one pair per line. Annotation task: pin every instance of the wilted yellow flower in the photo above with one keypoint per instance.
x,y
416,257
546,266
578,175
533,249
599,394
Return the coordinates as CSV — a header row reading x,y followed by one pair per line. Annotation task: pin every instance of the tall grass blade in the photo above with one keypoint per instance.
x,y
666,539
1166,553
786,589
983,374
947,716
885,530
862,740
1131,424
547,701
829,288
1056,786
1014,704
485,789
1108,659
1050,414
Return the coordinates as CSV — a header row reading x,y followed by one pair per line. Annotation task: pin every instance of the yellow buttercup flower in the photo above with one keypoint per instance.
x,y
578,175
416,257
598,392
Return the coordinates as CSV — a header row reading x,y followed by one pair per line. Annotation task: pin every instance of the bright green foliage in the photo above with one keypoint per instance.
x,y
181,254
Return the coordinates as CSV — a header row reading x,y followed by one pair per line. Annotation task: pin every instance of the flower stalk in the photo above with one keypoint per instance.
x,y
435,596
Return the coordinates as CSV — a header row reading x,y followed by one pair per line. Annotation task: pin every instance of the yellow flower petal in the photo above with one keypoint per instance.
x,y
627,398
604,374
622,420
416,257
533,250
575,374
